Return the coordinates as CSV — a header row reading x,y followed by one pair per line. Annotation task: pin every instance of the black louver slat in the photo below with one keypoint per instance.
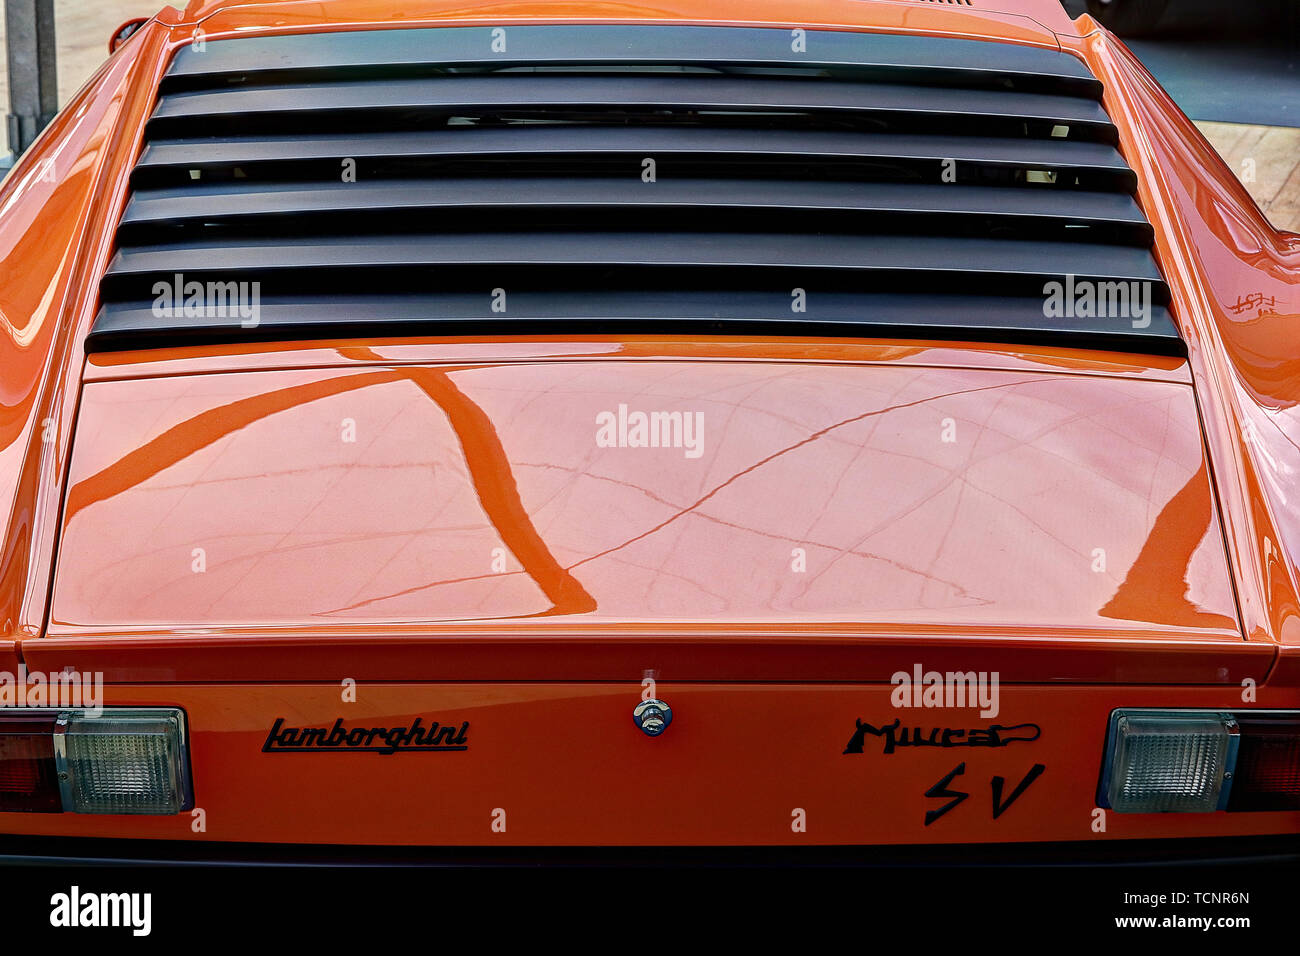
x,y
280,207
741,311
908,185
932,258
472,149
521,95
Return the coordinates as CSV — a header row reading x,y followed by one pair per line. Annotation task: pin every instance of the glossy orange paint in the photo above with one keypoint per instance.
x,y
1032,22
738,759
1221,255
690,652
623,568
116,39
58,207
848,464
342,353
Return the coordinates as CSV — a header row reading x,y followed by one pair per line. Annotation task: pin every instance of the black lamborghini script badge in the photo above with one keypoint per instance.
x,y
383,740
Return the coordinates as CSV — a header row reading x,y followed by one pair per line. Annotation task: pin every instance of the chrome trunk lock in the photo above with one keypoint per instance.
x,y
653,717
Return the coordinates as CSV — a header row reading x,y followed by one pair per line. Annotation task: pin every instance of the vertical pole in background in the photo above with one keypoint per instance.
x,y
33,81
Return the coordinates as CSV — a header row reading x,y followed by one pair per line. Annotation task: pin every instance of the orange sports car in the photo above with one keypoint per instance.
x,y
863,424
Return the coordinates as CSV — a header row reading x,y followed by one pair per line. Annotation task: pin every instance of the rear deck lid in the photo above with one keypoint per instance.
x,y
889,496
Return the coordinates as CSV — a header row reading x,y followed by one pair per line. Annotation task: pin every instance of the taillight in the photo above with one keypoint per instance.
x,y
1161,761
29,779
1267,776
123,760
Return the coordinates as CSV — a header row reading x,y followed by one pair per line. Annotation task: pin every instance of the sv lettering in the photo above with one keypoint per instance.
x,y
997,784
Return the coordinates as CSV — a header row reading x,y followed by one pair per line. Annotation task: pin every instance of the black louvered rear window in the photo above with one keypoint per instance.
x,y
631,178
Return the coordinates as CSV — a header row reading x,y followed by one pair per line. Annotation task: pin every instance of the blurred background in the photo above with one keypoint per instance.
x,y
1232,65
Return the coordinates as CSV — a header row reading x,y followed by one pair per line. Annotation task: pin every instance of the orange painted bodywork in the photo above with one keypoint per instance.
x,y
735,762
449,462
1183,471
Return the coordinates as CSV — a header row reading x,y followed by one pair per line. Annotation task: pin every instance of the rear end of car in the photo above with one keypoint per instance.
x,y
637,436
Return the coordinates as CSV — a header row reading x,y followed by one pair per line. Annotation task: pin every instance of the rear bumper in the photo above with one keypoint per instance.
x,y
1123,854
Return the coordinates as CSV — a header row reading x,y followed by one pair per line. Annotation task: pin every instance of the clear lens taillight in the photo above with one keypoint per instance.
x,y
1168,762
123,762
1195,761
